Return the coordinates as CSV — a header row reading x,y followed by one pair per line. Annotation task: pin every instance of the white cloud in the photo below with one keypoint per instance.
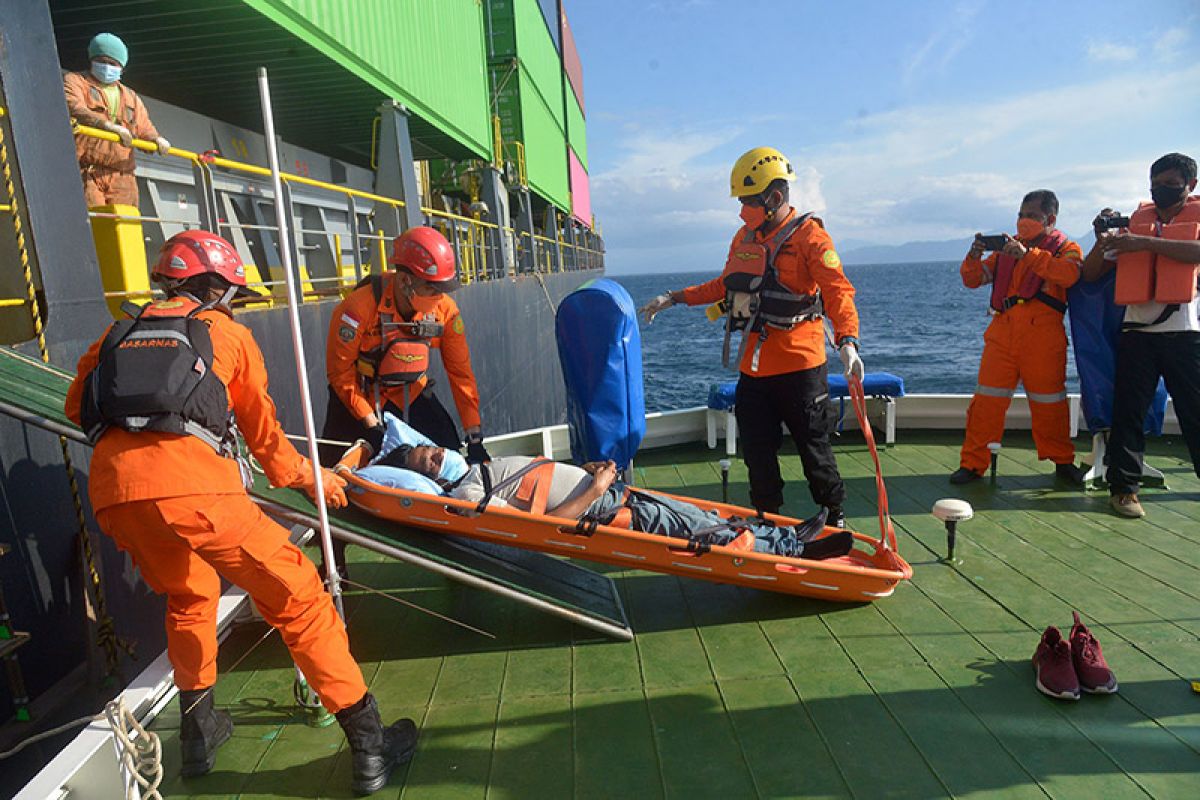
x,y
940,171
667,197
919,173
943,44
1111,52
1171,45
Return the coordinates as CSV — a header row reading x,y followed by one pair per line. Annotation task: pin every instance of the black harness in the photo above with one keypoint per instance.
x,y
155,374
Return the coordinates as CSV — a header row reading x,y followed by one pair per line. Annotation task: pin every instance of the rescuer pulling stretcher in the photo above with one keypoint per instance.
x,y
782,275
159,394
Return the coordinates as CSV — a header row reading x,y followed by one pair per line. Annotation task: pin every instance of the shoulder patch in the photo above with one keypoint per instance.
x,y
346,333
830,259
458,325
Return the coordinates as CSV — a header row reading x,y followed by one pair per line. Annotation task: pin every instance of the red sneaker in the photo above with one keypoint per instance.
x,y
1052,663
1092,670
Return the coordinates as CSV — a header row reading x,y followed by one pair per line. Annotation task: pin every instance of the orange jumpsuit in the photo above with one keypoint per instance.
x,y
356,327
180,510
107,167
807,261
1026,343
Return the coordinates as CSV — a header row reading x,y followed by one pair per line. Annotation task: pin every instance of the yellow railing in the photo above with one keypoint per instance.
x,y
478,244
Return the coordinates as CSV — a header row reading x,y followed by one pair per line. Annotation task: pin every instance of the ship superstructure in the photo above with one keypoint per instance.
x,y
460,114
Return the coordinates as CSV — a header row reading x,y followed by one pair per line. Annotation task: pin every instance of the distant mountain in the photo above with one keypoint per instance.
x,y
946,250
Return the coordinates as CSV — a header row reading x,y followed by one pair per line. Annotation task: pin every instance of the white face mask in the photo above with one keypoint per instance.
x,y
106,73
454,466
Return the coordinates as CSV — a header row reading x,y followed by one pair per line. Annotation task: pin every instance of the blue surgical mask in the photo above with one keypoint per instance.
x,y
106,73
454,466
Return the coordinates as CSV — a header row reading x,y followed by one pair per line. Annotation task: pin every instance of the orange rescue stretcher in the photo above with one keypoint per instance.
x,y
871,570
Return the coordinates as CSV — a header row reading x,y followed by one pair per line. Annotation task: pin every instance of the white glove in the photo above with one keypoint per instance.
x,y
851,361
163,145
121,131
651,309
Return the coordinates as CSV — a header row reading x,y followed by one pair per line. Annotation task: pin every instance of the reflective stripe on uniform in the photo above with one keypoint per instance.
x,y
160,334
993,391
1054,397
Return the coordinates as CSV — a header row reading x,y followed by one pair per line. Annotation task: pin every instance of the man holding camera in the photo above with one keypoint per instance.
x,y
1159,338
1026,340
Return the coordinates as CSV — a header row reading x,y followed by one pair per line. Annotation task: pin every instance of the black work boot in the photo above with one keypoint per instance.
x,y
202,729
963,475
375,749
836,517
1070,474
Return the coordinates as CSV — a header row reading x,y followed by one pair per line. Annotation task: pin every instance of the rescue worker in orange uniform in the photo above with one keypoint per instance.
x,y
159,395
782,366
406,306
1026,340
97,98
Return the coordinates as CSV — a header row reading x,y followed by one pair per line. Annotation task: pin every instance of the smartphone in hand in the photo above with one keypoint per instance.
x,y
992,243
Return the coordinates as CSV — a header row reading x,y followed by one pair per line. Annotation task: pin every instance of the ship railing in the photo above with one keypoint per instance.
x,y
480,246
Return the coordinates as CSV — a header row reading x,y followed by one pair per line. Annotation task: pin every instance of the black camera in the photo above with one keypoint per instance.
x,y
1111,223
992,243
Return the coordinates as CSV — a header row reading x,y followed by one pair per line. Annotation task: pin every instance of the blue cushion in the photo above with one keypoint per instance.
x,y
396,433
721,395
875,384
397,478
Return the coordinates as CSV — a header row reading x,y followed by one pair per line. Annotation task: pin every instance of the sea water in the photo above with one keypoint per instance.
x,y
916,320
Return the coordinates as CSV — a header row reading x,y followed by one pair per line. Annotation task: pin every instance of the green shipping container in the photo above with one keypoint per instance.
x,y
576,125
526,116
428,54
518,30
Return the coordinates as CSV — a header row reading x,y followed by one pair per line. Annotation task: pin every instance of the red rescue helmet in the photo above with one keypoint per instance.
x,y
192,253
424,252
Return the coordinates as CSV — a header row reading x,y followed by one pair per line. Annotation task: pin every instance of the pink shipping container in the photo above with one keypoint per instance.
x,y
581,192
571,63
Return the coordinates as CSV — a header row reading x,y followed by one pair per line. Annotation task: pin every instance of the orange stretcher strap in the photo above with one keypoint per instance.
x,y
534,488
622,519
887,534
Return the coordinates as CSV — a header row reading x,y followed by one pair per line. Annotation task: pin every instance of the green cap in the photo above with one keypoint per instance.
x,y
107,44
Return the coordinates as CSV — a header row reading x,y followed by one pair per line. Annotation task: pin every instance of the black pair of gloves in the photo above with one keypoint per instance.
x,y
476,452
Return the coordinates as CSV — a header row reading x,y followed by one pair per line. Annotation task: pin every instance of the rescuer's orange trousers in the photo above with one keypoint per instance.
x,y
184,545
103,186
1027,343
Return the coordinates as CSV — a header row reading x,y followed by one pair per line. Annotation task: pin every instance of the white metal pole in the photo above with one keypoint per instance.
x,y
285,254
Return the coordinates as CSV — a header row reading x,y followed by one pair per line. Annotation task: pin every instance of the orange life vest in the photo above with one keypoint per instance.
x,y
1143,276
1030,287
755,297
402,357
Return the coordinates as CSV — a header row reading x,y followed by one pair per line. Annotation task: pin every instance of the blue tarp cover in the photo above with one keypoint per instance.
x,y
875,384
1095,328
601,353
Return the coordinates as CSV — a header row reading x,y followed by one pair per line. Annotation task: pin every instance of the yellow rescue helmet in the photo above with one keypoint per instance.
x,y
754,171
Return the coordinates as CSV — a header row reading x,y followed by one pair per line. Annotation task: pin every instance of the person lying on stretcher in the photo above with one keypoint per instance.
x,y
592,492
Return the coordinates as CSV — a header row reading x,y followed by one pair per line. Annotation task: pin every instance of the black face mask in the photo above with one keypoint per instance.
x,y
1166,196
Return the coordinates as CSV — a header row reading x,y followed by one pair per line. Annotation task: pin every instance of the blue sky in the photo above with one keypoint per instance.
x,y
906,121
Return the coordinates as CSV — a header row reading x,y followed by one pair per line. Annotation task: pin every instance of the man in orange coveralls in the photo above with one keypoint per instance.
x,y
1026,340
158,395
409,305
98,98
796,279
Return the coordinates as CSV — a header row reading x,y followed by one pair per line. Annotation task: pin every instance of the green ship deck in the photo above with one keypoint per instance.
x,y
733,693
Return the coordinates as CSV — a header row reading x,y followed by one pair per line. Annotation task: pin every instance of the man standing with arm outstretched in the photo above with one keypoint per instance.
x,y
781,278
